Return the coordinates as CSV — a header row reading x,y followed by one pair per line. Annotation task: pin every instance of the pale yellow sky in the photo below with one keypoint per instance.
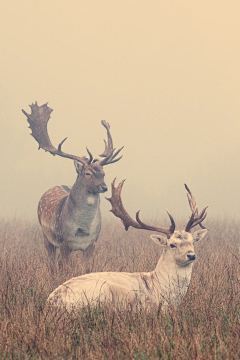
x,y
165,75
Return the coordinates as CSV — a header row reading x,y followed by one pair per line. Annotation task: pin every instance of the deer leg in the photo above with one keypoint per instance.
x,y
65,255
52,251
87,254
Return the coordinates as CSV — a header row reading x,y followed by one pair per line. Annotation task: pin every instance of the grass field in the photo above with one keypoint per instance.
x,y
205,326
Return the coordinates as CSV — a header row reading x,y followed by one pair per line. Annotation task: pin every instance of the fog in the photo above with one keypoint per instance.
x,y
165,75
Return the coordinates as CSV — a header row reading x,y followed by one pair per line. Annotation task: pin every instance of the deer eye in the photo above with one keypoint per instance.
x,y
173,246
88,174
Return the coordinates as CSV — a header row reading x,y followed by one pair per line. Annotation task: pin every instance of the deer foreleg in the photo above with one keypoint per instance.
x,y
87,254
65,255
53,253
51,249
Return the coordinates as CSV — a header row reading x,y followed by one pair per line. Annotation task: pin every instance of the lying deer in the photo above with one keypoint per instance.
x,y
165,286
70,216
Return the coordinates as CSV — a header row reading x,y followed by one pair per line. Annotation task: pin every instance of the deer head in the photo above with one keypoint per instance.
x,y
180,246
178,243
89,170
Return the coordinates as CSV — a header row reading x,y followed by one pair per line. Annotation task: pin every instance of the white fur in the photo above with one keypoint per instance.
x,y
165,286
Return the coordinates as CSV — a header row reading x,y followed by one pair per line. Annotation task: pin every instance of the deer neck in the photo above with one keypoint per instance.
x,y
172,279
81,203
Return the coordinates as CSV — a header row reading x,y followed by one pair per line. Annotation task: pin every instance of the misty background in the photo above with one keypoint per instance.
x,y
165,75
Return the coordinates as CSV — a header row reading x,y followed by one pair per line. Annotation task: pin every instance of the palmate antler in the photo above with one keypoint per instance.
x,y
119,211
195,219
38,120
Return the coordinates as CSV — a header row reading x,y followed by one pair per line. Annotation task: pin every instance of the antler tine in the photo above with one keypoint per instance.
x,y
117,206
119,211
90,156
108,154
38,120
108,145
60,145
172,226
165,231
191,200
111,159
195,218
200,219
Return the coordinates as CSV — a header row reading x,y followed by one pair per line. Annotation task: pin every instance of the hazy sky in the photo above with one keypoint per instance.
x,y
164,74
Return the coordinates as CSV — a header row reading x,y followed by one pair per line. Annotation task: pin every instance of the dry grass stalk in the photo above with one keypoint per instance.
x,y
205,326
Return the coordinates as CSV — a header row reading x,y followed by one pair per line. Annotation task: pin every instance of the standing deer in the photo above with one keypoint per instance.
x,y
165,286
70,216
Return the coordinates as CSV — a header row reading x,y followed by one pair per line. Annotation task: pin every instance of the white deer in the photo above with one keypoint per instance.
x,y
165,286
70,216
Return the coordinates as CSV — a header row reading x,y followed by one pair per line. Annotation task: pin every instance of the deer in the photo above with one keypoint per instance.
x,y
163,287
70,217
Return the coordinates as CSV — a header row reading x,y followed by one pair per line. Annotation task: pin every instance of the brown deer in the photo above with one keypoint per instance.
x,y
165,286
70,216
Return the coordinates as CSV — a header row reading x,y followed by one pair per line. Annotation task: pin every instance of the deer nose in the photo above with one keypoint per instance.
x,y
104,188
191,256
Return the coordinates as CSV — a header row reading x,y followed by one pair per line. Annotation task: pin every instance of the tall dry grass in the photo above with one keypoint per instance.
x,y
205,326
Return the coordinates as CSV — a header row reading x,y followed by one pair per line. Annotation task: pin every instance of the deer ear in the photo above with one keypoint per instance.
x,y
199,235
159,239
78,166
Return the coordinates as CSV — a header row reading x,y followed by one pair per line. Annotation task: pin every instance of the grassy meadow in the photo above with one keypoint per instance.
x,y
205,326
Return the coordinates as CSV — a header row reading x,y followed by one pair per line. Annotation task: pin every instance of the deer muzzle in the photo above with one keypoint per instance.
x,y
191,256
103,188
